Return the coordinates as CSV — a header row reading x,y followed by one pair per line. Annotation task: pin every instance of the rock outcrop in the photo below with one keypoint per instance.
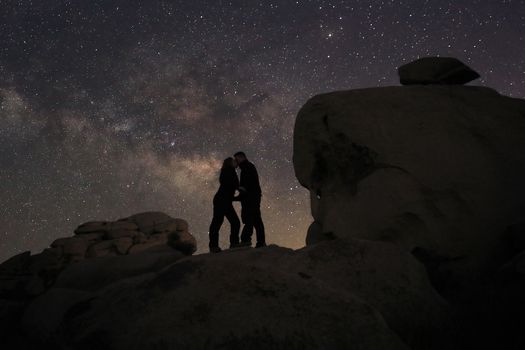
x,y
338,294
435,169
27,275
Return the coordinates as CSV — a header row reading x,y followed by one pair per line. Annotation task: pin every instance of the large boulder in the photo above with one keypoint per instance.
x,y
435,169
330,295
239,299
436,70
387,278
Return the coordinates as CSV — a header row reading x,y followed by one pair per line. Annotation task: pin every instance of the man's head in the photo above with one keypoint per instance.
x,y
240,157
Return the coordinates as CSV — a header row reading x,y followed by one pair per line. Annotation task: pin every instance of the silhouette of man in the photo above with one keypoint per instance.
x,y
250,197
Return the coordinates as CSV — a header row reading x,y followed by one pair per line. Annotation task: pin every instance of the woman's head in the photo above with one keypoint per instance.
x,y
229,163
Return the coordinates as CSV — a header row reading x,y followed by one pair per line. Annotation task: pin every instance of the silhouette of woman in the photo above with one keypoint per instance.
x,y
223,206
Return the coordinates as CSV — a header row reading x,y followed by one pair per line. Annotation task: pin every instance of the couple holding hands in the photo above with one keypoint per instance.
x,y
250,197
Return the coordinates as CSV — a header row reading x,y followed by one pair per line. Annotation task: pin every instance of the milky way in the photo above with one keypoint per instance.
x,y
109,108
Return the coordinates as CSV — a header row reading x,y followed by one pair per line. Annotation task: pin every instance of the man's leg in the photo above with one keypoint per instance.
x,y
247,230
235,225
259,231
258,224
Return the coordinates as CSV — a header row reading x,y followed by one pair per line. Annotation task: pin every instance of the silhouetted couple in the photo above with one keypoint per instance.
x,y
250,197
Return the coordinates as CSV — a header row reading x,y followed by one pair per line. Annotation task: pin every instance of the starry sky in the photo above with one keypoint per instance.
x,y
110,108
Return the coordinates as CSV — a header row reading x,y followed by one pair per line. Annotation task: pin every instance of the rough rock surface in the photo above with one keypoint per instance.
x,y
338,294
30,275
436,70
98,273
435,169
417,242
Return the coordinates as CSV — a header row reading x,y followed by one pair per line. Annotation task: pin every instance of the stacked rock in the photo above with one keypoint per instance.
x,y
29,275
126,236
436,71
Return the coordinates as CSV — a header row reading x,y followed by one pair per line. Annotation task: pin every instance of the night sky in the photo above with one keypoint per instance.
x,y
110,108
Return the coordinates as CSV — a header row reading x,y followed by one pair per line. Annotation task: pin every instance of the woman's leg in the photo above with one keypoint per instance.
x,y
235,224
216,223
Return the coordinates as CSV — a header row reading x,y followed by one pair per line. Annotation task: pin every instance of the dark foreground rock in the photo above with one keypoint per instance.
x,y
338,294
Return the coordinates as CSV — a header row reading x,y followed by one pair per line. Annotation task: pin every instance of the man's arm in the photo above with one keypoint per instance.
x,y
252,178
255,187
239,197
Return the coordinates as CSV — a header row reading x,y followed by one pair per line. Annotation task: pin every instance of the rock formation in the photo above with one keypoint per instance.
x,y
418,242
31,275
331,295
435,169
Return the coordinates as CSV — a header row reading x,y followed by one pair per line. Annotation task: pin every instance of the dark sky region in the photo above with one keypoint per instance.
x,y
109,108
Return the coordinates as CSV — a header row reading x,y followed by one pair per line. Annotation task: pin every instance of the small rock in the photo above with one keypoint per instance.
x,y
182,225
18,262
140,238
72,246
105,226
92,226
53,252
159,237
123,225
166,227
119,233
182,241
49,259
436,70
137,248
92,237
175,225
122,245
103,248
148,221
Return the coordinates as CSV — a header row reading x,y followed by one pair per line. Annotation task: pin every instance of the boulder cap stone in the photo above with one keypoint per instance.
x,y
436,70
